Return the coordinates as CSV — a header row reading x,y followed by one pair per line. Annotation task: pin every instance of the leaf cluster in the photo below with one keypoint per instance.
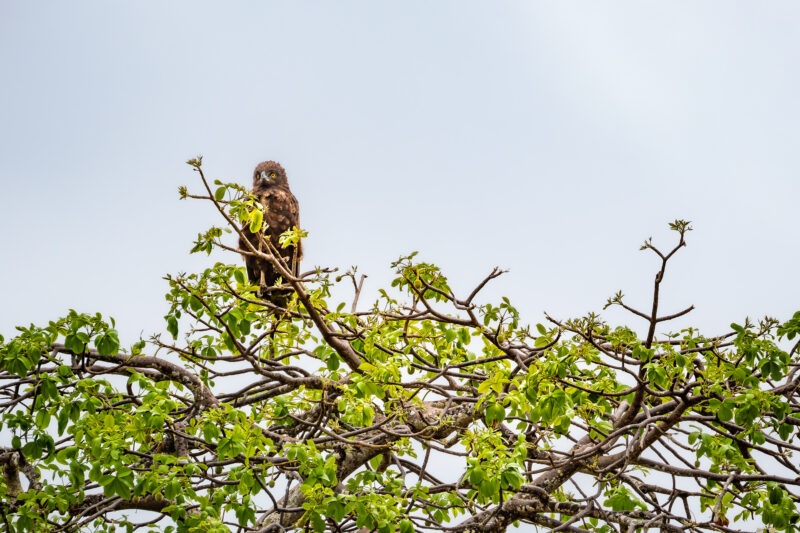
x,y
429,410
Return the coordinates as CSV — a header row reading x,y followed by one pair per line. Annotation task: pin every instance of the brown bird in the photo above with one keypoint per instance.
x,y
281,213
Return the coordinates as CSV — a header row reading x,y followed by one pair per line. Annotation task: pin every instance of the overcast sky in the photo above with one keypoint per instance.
x,y
548,138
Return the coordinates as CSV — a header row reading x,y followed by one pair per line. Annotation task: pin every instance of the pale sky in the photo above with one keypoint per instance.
x,y
548,138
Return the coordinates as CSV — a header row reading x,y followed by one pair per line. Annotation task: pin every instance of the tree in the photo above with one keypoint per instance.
x,y
429,411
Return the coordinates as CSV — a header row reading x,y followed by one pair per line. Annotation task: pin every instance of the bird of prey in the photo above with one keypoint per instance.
x,y
281,213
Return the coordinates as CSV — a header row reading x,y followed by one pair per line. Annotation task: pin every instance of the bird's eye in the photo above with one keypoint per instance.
x,y
273,175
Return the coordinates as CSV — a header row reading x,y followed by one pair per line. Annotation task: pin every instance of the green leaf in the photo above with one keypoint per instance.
x,y
317,522
406,526
725,412
541,342
333,362
172,325
107,343
118,486
43,418
512,479
336,510
73,343
32,449
195,304
495,413
476,476
256,220
620,499
17,361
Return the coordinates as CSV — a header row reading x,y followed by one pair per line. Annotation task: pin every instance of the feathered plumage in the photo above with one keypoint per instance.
x,y
281,213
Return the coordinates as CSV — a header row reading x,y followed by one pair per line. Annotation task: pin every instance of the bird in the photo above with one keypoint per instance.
x,y
281,213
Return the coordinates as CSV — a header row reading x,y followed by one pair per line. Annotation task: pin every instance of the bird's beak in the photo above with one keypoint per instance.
x,y
264,175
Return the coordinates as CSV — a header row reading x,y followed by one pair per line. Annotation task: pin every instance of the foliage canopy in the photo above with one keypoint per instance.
x,y
427,411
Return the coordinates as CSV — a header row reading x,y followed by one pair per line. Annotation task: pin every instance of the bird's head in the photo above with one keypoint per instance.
x,y
269,174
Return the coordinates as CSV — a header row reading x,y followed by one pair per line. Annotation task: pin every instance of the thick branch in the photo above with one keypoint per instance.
x,y
168,371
